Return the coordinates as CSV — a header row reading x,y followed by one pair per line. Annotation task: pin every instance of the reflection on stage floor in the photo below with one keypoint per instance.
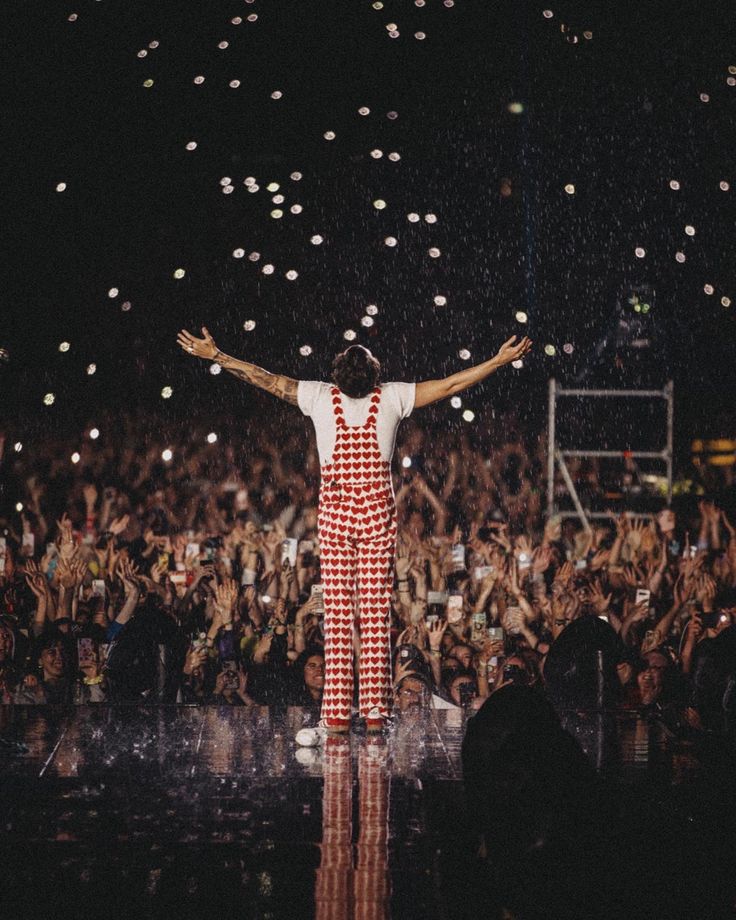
x,y
179,811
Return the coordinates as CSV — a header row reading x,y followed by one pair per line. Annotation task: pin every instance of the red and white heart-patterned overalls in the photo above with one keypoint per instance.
x,y
357,538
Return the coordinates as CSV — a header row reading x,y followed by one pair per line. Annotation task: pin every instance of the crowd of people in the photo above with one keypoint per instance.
x,y
128,577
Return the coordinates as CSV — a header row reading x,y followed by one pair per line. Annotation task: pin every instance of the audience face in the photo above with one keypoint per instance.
x,y
650,678
52,663
411,694
314,674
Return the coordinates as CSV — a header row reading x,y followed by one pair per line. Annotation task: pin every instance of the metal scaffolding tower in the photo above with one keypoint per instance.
x,y
557,455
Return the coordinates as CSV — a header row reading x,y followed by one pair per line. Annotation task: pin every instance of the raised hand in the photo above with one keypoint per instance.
x,y
598,599
511,350
226,596
90,495
128,573
435,632
200,348
119,524
35,579
66,540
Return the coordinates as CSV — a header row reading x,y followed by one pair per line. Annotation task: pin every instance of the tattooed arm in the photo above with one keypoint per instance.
x,y
276,384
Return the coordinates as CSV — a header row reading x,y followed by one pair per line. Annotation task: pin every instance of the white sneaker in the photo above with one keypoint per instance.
x,y
310,737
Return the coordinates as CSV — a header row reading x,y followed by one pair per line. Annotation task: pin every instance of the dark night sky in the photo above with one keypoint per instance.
x,y
618,115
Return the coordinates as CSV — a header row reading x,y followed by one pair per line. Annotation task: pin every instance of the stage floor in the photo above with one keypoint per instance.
x,y
214,811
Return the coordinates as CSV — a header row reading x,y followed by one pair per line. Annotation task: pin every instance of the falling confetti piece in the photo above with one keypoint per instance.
x,y
249,325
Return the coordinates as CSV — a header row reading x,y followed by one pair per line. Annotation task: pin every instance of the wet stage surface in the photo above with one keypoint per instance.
x,y
214,811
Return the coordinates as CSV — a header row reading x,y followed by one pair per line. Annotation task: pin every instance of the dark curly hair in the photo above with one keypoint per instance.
x,y
356,372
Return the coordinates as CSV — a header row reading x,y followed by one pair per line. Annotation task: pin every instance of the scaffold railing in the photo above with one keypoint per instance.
x,y
557,455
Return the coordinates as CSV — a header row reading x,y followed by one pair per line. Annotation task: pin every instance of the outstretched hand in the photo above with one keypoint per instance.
x,y
200,348
513,351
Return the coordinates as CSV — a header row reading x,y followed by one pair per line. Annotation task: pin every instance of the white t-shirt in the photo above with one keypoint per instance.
x,y
315,400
